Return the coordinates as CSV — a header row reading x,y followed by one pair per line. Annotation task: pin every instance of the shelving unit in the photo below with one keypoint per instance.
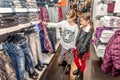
x,y
6,10
16,28
46,57
14,10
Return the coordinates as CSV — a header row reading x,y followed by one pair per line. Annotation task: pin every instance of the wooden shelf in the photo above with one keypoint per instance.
x,y
15,28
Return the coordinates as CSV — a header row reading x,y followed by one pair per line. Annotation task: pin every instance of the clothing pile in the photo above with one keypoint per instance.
x,y
23,18
8,20
31,3
19,3
5,3
104,33
34,16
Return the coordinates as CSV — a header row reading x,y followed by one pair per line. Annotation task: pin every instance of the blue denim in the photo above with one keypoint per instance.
x,y
17,56
29,60
41,34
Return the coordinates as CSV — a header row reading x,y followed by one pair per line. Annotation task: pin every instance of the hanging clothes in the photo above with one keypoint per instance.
x,y
101,9
35,46
6,67
60,13
111,7
45,17
63,3
117,6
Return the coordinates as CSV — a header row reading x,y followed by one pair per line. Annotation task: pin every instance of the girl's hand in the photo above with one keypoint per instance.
x,y
45,23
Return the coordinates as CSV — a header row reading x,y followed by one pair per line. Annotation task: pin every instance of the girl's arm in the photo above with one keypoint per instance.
x,y
49,24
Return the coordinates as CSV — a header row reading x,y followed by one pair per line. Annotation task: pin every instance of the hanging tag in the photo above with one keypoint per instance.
x,y
46,6
36,27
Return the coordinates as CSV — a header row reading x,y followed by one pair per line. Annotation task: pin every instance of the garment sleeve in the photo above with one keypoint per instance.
x,y
52,25
76,35
85,45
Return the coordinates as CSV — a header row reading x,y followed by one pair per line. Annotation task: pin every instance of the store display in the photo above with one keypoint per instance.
x,y
19,3
5,3
111,57
117,6
8,20
21,41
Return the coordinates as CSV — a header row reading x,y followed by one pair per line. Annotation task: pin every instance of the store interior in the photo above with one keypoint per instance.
x,y
30,50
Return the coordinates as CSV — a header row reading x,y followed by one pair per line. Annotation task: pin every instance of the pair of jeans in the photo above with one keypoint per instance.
x,y
7,65
35,46
18,58
29,60
41,34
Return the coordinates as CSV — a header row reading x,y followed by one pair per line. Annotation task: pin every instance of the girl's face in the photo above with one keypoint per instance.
x,y
69,19
84,22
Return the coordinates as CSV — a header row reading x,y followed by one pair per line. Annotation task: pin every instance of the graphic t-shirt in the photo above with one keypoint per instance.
x,y
69,33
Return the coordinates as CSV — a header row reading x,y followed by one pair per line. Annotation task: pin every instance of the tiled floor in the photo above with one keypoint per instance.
x,y
92,71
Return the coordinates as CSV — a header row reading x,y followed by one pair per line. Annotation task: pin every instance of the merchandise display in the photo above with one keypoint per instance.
x,y
59,39
21,46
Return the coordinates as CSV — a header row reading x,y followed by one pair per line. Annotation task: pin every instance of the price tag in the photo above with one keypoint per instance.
x,y
36,27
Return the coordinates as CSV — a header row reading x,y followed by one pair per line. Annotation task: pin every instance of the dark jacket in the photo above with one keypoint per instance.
x,y
83,42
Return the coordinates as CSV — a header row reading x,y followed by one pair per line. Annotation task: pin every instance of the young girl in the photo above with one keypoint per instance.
x,y
68,38
82,44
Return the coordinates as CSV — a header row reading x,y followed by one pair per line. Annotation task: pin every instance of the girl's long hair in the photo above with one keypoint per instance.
x,y
87,16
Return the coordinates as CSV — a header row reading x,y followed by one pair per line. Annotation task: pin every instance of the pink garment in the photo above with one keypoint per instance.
x,y
111,7
111,60
45,17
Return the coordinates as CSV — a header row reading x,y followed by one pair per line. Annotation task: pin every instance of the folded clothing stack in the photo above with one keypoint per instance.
x,y
31,3
34,16
110,21
104,33
19,3
23,18
8,20
5,3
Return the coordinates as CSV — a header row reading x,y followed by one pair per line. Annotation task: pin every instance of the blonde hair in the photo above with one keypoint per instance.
x,y
87,16
71,13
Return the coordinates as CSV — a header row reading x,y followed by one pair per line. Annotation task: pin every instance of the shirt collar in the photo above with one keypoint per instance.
x,y
87,29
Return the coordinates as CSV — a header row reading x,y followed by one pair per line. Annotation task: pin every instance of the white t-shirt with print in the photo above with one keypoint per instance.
x,y
69,33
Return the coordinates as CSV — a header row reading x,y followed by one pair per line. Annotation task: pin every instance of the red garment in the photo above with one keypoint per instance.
x,y
81,63
45,17
60,13
111,7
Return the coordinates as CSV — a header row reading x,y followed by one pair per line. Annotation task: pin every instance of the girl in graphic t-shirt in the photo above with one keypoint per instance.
x,y
68,38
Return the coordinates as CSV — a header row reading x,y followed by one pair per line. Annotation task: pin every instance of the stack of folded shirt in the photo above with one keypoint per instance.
x,y
34,16
19,3
31,3
8,20
110,21
23,18
5,4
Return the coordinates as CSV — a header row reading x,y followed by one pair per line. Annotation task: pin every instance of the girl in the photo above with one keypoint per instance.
x,y
82,44
68,38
